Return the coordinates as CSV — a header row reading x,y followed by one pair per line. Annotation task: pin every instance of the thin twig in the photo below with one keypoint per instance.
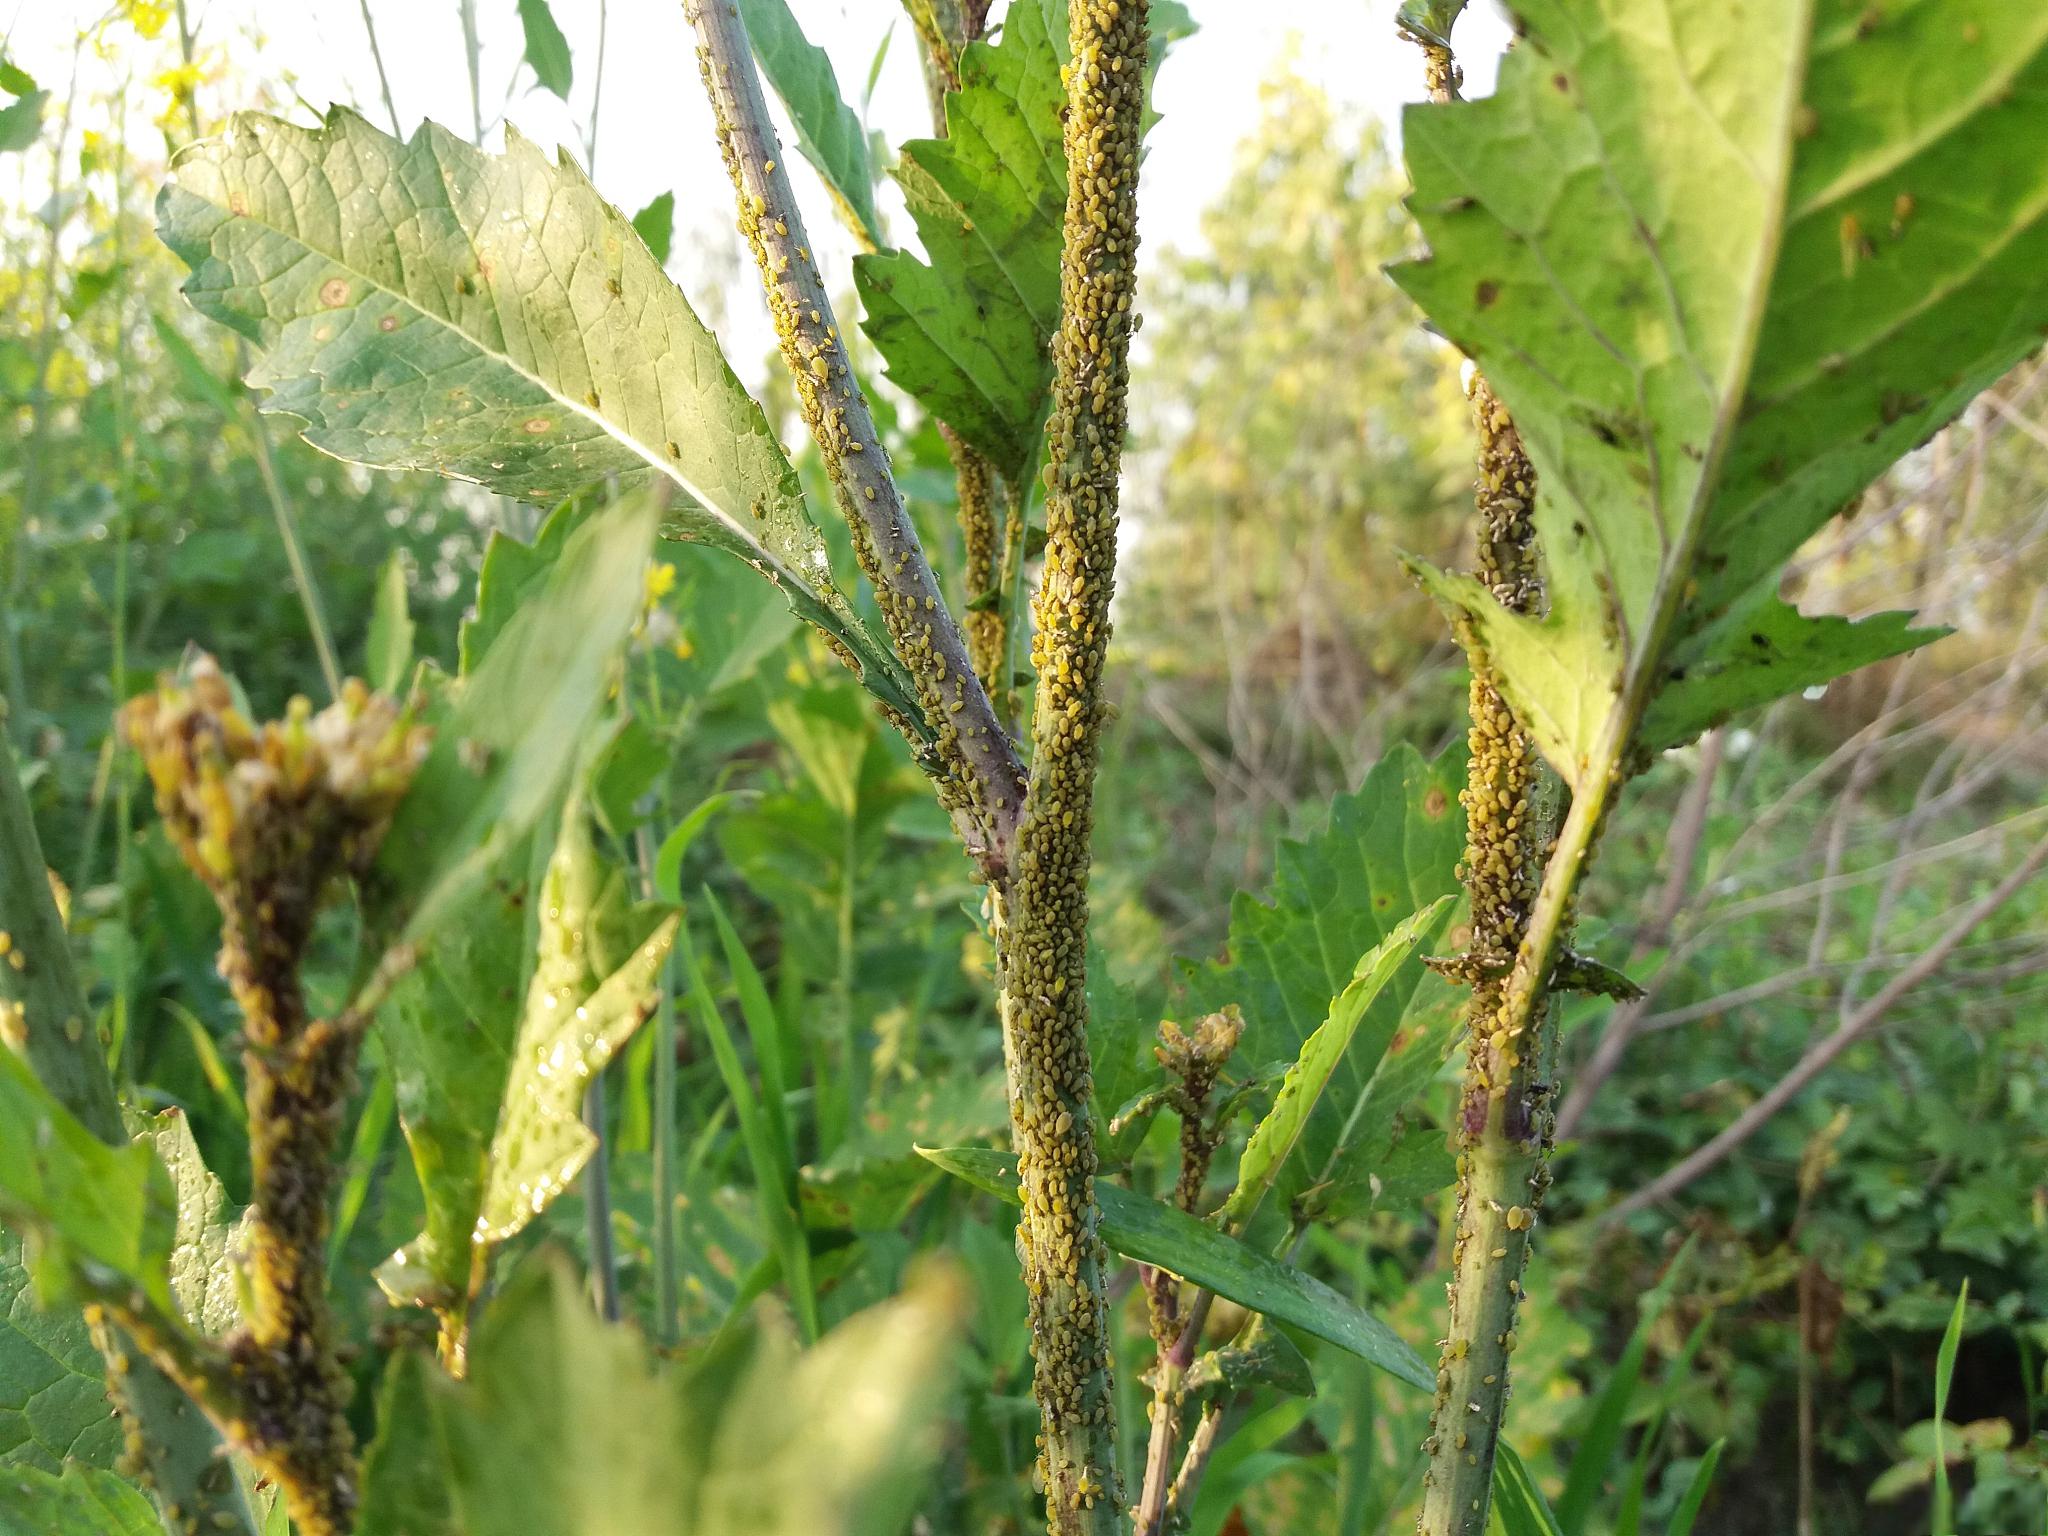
x,y
1818,1057
1681,859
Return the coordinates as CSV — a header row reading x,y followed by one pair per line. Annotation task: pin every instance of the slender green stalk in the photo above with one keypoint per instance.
x,y
852,1063
667,1281
294,549
972,761
662,1107
472,54
1042,947
597,1204
597,87
124,520
383,80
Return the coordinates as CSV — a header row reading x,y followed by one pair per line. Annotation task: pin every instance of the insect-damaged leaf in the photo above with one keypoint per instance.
x,y
424,305
1724,267
490,1088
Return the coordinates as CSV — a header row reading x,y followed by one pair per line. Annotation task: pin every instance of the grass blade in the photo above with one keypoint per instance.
x,y
1944,1371
774,1178
1696,1492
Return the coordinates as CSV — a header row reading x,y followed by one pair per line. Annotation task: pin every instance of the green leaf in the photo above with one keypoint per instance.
x,y
1275,1137
567,1426
1163,1235
53,1395
582,1006
15,80
1269,1358
507,736
1517,1499
1724,268
656,226
547,51
968,335
84,1501
448,1033
1390,850
1123,1028
21,121
1688,1511
632,762
828,133
668,863
1430,20
389,653
208,1233
413,304
79,1200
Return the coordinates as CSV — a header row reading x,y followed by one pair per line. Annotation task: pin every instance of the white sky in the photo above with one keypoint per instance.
x,y
654,131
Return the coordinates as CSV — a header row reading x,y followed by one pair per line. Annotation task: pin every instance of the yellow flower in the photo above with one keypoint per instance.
x,y
147,17
661,580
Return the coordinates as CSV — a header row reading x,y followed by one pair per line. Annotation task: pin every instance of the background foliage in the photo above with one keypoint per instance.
x,y
1295,424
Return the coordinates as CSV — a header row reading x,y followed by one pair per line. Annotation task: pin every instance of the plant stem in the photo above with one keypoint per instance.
x,y
1043,946
667,1286
988,599
1512,803
597,87
294,550
472,53
597,1200
662,1112
972,760
383,80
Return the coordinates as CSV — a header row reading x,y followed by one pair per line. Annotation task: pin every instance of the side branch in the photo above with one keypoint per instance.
x,y
1043,948
973,760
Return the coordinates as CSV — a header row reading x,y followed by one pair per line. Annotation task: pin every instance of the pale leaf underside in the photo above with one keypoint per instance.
x,y
1723,280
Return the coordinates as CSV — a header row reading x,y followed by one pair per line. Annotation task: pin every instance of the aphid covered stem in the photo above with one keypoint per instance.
x,y
1044,962
269,820
1513,804
972,760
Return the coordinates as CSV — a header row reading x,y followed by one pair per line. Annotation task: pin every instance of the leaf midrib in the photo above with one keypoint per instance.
x,y
1626,713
